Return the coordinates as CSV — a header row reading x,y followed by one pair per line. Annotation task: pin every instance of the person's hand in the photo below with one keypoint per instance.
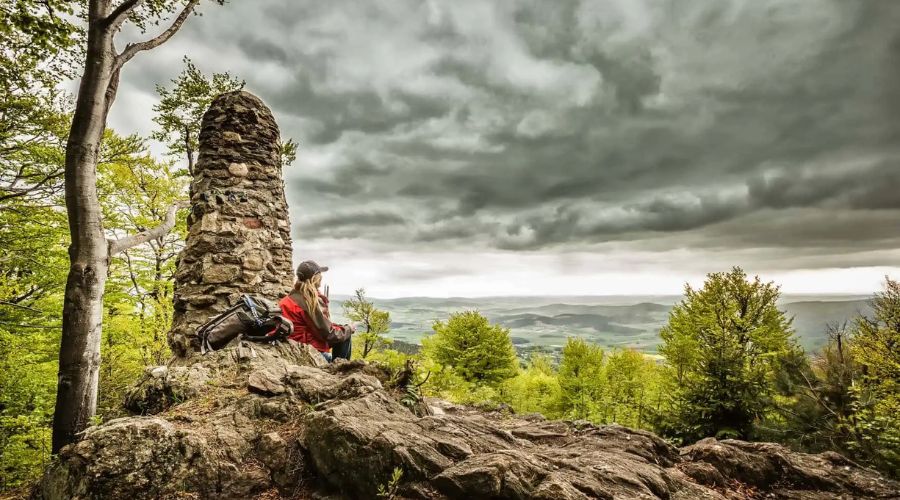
x,y
351,327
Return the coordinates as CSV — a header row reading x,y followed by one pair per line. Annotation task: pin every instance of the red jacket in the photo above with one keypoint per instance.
x,y
315,331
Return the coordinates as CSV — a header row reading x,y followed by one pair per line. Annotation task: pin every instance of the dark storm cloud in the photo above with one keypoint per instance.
x,y
527,125
260,48
812,230
339,112
454,229
343,183
630,221
861,188
342,225
868,197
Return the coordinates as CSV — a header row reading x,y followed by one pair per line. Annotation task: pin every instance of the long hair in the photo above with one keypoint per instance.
x,y
309,289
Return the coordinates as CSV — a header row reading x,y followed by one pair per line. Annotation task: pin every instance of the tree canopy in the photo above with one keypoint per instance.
x,y
373,323
723,343
474,348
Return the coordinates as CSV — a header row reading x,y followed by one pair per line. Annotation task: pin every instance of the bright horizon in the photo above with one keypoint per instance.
x,y
839,296
378,283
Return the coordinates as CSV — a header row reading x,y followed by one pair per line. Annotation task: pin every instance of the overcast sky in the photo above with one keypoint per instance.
x,y
594,147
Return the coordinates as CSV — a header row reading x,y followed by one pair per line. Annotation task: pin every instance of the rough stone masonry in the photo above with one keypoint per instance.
x,y
239,237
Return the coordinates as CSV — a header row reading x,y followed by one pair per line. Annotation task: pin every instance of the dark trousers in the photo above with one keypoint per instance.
x,y
341,350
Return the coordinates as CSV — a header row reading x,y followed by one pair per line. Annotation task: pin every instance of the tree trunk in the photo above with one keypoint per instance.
x,y
189,151
89,251
79,353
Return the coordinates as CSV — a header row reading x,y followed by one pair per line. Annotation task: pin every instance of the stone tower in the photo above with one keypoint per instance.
x,y
239,238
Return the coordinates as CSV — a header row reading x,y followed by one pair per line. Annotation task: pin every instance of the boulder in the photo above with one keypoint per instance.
x,y
765,466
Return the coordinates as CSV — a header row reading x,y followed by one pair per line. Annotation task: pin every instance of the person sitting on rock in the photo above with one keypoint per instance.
x,y
307,308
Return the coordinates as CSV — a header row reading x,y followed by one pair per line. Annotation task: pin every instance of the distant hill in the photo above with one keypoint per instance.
x,y
637,313
614,321
405,347
596,322
428,302
812,318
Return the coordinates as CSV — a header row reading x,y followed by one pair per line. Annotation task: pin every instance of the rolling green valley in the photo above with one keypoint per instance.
x,y
544,323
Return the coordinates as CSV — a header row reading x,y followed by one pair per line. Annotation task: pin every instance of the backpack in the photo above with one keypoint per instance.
x,y
253,319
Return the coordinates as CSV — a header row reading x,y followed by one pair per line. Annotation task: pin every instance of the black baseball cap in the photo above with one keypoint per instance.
x,y
308,268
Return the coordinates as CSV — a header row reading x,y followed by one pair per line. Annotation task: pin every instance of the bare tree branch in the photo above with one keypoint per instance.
x,y
49,9
17,192
22,325
20,306
814,395
31,291
131,274
118,16
121,244
133,48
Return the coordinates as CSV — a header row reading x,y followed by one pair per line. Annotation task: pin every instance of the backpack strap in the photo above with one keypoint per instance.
x,y
252,307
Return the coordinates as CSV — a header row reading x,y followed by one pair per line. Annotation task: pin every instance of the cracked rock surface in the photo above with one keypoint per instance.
x,y
276,422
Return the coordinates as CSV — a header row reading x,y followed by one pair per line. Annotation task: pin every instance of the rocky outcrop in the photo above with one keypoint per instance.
x,y
204,432
763,466
275,422
239,236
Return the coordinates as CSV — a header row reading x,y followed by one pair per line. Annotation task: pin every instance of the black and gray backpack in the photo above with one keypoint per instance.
x,y
253,319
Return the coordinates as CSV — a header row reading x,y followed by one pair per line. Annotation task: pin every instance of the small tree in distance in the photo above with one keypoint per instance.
x,y
475,349
536,388
375,322
580,370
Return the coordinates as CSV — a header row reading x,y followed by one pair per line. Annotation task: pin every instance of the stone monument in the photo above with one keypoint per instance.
x,y
239,238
